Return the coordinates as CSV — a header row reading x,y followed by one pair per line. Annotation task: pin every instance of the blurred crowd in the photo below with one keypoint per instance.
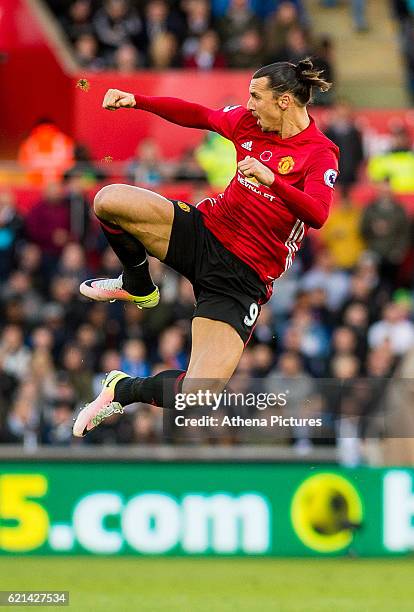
x,y
125,35
343,313
404,12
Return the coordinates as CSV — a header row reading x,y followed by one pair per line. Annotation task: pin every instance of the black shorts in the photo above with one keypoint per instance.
x,y
226,289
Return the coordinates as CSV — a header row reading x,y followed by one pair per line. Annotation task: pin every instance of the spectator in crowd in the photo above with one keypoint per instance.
x,y
217,157
29,261
132,322
91,342
79,375
302,401
46,153
398,415
11,226
317,301
146,426
394,330
250,53
20,287
277,27
397,165
127,59
263,360
14,355
296,47
366,297
78,19
308,336
341,234
385,227
8,384
408,53
57,424
171,348
147,167
164,52
239,31
42,371
22,422
347,410
109,360
380,363
63,293
324,275
324,61
72,263
59,403
356,316
84,168
161,23
48,222
343,131
404,11
79,210
14,311
197,22
264,8
117,23
133,358
346,341
52,318
42,366
207,53
86,52
41,339
188,169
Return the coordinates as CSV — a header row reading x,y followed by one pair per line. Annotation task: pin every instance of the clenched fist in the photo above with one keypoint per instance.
x,y
251,167
115,98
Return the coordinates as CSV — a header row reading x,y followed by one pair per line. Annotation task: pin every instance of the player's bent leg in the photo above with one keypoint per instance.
x,y
216,351
144,214
135,221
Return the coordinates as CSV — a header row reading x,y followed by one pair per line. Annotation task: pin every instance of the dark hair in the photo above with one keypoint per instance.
x,y
298,79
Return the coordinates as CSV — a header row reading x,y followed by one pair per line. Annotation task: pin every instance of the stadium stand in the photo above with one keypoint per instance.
x,y
343,311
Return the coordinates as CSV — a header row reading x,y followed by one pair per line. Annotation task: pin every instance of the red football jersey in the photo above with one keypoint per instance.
x,y
250,219
263,226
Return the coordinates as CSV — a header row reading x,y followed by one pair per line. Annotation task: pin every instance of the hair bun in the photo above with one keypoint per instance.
x,y
303,66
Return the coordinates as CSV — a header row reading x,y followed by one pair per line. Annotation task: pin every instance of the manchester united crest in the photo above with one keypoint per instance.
x,y
286,165
184,206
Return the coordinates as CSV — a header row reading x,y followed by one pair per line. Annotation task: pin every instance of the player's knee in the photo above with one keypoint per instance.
x,y
105,200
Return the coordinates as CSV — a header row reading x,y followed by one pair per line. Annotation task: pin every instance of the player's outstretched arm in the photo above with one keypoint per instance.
x,y
186,114
175,110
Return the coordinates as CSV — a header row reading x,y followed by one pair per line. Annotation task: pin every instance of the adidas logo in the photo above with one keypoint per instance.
x,y
248,145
